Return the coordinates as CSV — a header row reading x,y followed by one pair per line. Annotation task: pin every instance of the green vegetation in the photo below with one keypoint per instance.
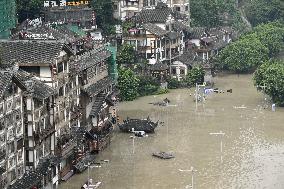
x,y
126,55
271,35
243,55
216,13
195,75
148,85
104,16
271,75
264,11
128,84
28,9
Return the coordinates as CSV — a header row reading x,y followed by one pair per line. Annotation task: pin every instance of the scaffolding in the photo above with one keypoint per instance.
x,y
7,17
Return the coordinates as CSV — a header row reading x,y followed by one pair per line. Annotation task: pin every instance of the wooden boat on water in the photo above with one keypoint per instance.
x,y
131,125
163,155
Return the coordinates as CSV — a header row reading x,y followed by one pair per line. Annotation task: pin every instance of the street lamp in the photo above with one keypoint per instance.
x,y
89,166
192,170
197,93
221,145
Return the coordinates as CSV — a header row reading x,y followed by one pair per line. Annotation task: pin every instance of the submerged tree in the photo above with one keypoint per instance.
x,y
127,84
270,74
243,55
195,75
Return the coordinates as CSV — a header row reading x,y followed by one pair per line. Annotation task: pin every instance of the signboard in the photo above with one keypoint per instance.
x,y
63,3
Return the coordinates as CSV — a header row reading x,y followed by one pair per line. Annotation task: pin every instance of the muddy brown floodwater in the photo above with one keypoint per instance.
x,y
253,144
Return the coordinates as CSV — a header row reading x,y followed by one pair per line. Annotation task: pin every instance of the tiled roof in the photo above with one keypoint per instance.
x,y
158,15
68,14
99,100
32,178
89,59
99,86
179,26
25,52
154,29
33,86
197,32
159,66
5,81
172,35
187,57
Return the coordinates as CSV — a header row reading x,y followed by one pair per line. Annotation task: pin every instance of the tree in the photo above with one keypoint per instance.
x,y
126,55
104,15
205,13
127,84
148,85
271,35
263,11
271,75
243,55
195,75
28,9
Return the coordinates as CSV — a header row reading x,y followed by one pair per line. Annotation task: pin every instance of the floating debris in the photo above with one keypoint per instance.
x,y
163,155
165,102
130,125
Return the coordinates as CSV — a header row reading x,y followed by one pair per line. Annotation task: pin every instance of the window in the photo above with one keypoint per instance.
x,y
177,8
167,27
115,7
60,67
186,8
182,72
149,55
174,71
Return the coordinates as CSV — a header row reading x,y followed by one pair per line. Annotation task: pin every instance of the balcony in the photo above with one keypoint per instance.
x,y
98,77
66,148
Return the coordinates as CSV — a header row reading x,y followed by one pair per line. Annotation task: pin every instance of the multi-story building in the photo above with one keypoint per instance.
x,y
159,33
11,130
81,87
7,17
124,9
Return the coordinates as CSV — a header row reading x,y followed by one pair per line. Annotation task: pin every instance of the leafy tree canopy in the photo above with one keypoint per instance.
x,y
263,11
104,15
195,75
127,84
126,55
271,35
215,13
243,55
271,75
28,9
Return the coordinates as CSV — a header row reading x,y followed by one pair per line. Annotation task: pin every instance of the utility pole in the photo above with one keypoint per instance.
x,y
192,170
197,93
221,144
189,13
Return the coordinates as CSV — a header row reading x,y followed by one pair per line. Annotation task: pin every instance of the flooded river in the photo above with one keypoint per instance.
x,y
253,144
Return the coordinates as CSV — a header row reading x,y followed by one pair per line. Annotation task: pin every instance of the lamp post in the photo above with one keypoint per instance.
x,y
89,166
221,144
197,93
192,170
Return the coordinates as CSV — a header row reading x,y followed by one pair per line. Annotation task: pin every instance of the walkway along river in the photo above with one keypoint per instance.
x,y
253,144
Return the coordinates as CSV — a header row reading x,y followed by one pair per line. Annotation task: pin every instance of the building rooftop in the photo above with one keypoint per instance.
x,y
30,52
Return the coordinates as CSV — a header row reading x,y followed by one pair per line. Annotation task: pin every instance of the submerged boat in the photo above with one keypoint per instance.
x,y
130,125
163,155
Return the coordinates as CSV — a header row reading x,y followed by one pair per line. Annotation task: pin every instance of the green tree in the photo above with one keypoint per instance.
x,y
148,85
271,35
127,84
104,15
205,13
271,74
28,9
195,75
126,55
243,55
263,11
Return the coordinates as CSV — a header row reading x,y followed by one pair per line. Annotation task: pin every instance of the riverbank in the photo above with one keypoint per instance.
x,y
252,145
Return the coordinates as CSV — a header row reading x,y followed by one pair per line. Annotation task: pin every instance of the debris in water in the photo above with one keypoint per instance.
x,y
163,155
